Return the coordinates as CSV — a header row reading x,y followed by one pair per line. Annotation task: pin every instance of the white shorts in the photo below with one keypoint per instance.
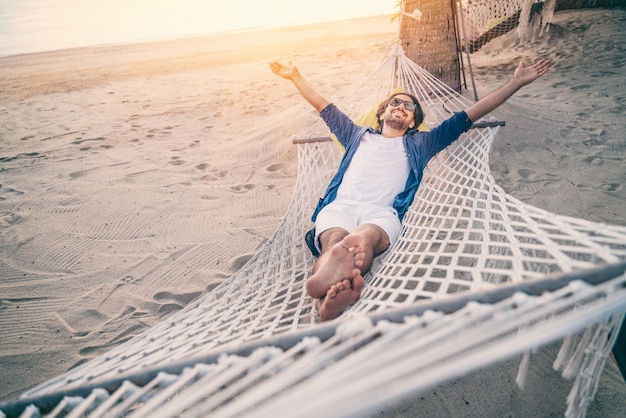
x,y
348,215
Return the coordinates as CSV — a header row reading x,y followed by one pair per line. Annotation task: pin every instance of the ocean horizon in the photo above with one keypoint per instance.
x,y
30,26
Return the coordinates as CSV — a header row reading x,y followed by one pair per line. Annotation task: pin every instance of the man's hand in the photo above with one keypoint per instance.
x,y
288,71
522,76
526,75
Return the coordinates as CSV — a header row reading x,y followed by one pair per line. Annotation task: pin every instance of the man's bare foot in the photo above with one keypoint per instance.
x,y
339,297
341,262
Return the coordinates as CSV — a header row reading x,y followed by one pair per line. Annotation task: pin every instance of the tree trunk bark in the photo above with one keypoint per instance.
x,y
431,42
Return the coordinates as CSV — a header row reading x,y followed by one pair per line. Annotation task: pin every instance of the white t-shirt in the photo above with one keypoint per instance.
x,y
377,173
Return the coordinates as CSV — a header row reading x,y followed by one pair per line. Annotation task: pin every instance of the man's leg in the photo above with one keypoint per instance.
x,y
337,278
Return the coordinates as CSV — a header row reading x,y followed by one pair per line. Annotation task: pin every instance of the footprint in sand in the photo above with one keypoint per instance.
x,y
240,261
281,168
593,142
7,219
176,161
9,191
168,308
129,279
593,160
79,141
584,186
242,188
581,87
167,130
220,174
174,302
213,172
612,187
182,298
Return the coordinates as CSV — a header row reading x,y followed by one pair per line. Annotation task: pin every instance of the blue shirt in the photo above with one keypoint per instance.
x,y
419,146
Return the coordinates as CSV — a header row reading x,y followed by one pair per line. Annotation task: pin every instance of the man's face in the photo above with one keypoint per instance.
x,y
397,116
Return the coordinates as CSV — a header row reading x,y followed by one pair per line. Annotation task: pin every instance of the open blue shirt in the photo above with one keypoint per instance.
x,y
419,146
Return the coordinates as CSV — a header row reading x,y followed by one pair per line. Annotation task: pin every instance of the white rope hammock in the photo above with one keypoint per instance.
x,y
253,346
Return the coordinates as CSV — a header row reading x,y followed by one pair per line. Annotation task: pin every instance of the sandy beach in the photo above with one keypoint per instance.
x,y
135,178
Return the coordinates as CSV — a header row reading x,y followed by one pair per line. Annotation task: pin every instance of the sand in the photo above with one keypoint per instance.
x,y
135,178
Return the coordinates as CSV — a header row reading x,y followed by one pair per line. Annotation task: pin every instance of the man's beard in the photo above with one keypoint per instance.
x,y
397,124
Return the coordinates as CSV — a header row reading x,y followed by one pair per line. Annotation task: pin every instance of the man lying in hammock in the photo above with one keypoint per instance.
x,y
361,213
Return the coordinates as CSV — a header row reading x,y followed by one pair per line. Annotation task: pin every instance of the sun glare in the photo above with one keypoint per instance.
x,y
52,24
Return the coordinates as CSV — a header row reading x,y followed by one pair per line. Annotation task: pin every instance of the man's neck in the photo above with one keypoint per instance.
x,y
389,132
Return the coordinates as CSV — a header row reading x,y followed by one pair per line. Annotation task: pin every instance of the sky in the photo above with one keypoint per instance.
x,y
39,25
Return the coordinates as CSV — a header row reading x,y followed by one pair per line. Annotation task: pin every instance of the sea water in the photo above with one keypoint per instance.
x,y
42,25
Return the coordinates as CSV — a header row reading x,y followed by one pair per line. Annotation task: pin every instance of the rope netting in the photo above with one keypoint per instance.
x,y
254,345
485,20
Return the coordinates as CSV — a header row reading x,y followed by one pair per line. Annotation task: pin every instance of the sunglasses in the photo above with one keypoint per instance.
x,y
408,105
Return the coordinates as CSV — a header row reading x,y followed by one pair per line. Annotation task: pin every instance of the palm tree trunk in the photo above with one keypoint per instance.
x,y
431,42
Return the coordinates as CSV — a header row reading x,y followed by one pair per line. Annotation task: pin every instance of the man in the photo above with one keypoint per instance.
x,y
361,213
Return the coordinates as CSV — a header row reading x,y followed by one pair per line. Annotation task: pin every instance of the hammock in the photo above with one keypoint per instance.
x,y
476,277
486,19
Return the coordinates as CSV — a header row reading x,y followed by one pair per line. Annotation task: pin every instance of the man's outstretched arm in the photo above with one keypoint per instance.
x,y
523,75
290,72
